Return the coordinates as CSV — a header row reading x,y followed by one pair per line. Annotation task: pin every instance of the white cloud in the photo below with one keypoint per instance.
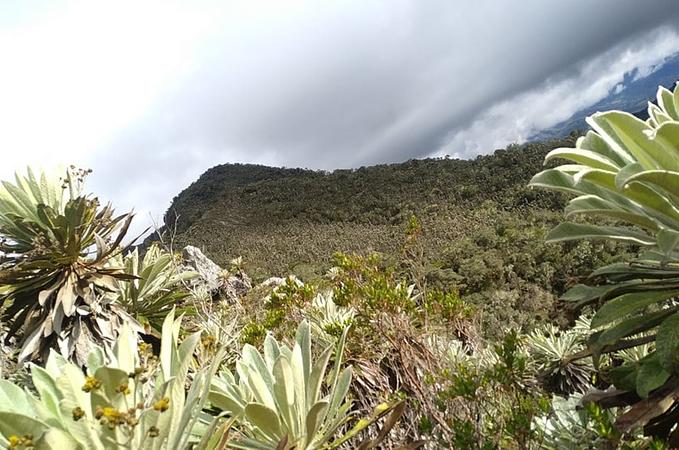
x,y
76,76
515,119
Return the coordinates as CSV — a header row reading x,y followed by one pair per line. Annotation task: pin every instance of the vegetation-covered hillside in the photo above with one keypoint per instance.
x,y
247,195
481,227
278,218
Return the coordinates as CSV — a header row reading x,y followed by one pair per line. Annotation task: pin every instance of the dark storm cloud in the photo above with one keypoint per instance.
x,y
352,83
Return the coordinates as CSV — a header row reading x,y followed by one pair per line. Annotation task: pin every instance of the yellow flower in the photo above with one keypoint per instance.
x,y
144,348
14,441
91,383
162,405
111,413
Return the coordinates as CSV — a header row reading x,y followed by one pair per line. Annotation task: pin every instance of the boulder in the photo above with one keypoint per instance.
x,y
214,280
209,273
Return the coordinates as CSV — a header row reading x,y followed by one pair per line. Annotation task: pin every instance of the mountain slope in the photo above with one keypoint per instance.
x,y
278,218
480,232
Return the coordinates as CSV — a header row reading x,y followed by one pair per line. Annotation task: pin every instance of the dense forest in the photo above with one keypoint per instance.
x,y
252,195
277,219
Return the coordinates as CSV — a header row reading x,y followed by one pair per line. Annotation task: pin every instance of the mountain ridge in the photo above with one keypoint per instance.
x,y
236,209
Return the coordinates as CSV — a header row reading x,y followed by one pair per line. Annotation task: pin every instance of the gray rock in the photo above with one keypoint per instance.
x,y
214,280
209,273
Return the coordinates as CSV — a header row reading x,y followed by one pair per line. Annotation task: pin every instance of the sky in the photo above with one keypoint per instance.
x,y
150,94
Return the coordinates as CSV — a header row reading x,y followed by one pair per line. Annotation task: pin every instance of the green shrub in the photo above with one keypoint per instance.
x,y
130,399
491,399
55,276
627,171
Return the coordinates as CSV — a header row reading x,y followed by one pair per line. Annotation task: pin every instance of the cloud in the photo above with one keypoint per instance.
x,y
152,94
516,119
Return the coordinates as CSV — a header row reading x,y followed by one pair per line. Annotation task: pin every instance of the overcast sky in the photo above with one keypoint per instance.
x,y
151,94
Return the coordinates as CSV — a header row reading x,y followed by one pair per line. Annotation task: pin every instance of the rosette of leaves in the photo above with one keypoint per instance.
x,y
54,276
128,399
627,170
279,400
156,289
569,426
549,346
328,320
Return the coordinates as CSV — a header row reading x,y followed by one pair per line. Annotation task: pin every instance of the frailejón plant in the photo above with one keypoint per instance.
x,y
54,277
157,288
627,170
129,399
284,399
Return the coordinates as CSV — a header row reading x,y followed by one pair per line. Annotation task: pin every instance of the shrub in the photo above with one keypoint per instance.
x,y
627,170
54,275
130,399
491,398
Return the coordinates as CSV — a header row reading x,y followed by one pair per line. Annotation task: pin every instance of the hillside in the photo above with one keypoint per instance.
x,y
480,229
231,201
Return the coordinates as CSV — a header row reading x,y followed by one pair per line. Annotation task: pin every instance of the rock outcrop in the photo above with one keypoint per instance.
x,y
212,279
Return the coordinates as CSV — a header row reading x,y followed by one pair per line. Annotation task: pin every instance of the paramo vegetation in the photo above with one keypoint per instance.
x,y
461,305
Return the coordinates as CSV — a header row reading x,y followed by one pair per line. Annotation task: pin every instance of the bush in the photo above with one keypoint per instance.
x,y
130,399
627,170
55,274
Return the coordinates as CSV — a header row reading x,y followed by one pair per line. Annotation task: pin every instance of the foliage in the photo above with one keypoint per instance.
x,y
491,401
627,170
54,274
569,426
387,344
279,400
550,347
279,219
128,399
328,320
278,311
156,289
480,230
441,295
371,286
393,327
511,276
